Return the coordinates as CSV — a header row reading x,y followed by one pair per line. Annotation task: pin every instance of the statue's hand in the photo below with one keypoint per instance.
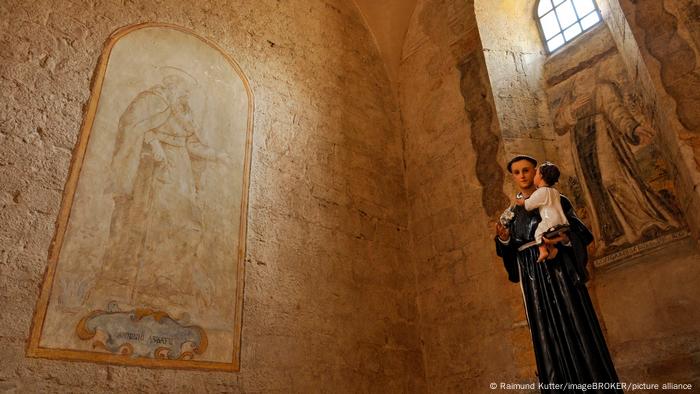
x,y
502,232
564,239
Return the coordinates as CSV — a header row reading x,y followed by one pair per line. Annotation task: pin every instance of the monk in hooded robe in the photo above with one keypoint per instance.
x,y
567,339
624,209
156,224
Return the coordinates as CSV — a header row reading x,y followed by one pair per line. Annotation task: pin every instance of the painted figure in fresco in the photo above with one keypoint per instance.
x,y
546,199
623,208
568,342
156,224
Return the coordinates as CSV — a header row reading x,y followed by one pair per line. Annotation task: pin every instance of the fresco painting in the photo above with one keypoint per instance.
x,y
146,266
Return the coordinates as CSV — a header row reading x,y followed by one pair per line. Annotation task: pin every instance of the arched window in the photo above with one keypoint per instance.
x,y
562,20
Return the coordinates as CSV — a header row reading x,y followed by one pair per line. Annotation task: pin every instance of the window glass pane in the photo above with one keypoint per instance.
x,y
543,7
550,26
566,14
563,20
555,42
583,7
590,20
572,32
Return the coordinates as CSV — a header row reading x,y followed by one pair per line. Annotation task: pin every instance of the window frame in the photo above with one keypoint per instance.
x,y
538,21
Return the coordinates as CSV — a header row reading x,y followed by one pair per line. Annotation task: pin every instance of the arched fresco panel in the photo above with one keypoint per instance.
x,y
146,267
621,183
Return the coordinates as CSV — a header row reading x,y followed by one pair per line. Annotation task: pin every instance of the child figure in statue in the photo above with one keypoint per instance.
x,y
547,199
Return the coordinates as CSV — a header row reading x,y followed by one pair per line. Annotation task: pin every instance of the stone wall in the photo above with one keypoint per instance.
x,y
370,262
660,44
329,296
649,308
462,290
473,326
515,56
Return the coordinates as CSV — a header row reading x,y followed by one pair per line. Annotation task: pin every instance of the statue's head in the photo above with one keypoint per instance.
x,y
522,168
548,173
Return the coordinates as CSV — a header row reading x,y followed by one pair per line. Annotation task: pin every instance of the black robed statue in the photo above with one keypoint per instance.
x,y
568,342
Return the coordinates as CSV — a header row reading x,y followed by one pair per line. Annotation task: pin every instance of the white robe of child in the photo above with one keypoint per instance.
x,y
547,200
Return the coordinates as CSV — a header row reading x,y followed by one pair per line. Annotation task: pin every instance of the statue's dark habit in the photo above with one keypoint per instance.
x,y
568,342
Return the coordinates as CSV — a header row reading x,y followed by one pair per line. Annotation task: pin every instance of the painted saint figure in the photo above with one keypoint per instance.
x,y
623,208
156,224
568,342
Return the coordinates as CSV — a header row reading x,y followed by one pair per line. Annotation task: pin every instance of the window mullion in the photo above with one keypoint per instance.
x,y
558,5
556,15
578,19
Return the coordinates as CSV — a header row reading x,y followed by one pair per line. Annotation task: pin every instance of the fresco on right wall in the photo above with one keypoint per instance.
x,y
619,178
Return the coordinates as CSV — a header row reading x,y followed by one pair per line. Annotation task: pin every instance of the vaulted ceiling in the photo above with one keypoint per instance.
x,y
388,21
